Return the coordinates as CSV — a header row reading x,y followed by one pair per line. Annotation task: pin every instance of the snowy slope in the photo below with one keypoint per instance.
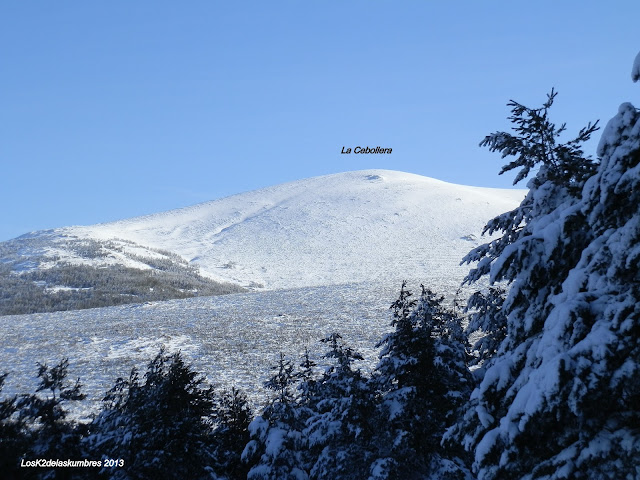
x,y
370,225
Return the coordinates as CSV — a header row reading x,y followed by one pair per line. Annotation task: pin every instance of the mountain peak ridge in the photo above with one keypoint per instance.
x,y
335,228
371,225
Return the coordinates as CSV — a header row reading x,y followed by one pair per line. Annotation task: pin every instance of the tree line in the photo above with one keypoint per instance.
x,y
65,286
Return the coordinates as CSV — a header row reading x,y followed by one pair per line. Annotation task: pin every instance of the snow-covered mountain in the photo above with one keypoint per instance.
x,y
370,225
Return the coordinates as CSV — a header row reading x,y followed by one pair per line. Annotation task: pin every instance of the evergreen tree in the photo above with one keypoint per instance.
x,y
562,170
562,397
487,324
45,414
14,438
275,451
340,429
161,426
423,380
308,383
231,434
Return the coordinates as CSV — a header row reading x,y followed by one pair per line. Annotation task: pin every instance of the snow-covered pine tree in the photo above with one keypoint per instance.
x,y
487,324
161,426
340,430
562,398
276,448
423,380
562,171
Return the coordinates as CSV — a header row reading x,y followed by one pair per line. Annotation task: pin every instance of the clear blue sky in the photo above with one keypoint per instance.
x,y
115,109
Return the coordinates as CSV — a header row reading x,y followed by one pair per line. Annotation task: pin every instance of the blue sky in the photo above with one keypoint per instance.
x,y
110,110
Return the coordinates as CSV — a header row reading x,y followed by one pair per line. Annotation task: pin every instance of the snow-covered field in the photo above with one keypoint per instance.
x,y
233,339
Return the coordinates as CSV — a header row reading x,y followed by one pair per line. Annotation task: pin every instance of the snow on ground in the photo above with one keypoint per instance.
x,y
233,339
348,227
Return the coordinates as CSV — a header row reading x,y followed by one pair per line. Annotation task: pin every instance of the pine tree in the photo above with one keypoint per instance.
x,y
562,397
161,426
46,413
14,438
231,434
276,448
487,324
423,381
562,170
340,430
308,384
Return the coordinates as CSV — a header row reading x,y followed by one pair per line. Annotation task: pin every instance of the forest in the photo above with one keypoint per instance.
x,y
62,285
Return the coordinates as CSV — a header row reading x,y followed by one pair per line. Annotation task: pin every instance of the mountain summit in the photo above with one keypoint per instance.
x,y
368,225
376,226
